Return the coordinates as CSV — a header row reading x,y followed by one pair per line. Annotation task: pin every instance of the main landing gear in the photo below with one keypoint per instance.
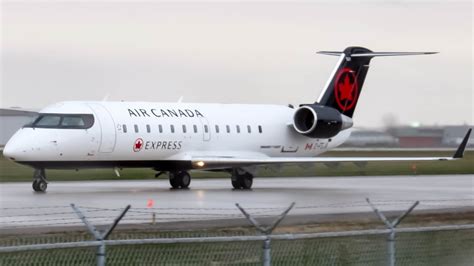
x,y
180,179
241,180
39,181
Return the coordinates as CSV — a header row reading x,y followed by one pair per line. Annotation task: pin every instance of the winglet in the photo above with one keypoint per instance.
x,y
460,151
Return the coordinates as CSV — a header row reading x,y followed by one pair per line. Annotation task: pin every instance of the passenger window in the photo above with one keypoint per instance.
x,y
160,128
72,121
260,129
217,128
172,128
227,128
249,129
136,128
148,129
184,128
124,127
206,128
195,129
238,128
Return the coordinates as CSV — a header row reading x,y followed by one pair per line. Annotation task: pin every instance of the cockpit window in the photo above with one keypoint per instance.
x,y
72,121
66,121
48,121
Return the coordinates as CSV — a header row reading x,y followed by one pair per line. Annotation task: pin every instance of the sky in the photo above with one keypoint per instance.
x,y
239,52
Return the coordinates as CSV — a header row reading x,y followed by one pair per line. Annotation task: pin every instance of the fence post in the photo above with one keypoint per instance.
x,y
267,231
391,225
97,234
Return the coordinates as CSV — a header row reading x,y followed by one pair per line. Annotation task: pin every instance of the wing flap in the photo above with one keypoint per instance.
x,y
210,162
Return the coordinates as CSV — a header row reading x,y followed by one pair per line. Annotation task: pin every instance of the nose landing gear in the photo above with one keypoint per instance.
x,y
180,179
39,181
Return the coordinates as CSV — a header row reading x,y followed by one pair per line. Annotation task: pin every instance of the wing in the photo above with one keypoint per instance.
x,y
215,162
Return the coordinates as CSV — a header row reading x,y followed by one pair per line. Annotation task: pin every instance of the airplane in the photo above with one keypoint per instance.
x,y
176,138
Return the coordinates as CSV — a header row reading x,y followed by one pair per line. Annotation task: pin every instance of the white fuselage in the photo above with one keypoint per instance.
x,y
146,134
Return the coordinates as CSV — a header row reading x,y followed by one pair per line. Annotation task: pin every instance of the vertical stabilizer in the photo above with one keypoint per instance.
x,y
345,84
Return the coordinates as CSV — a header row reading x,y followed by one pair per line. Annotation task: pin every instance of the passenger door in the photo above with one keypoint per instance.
x,y
108,135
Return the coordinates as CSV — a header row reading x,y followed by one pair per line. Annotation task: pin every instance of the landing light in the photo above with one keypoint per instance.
x,y
200,164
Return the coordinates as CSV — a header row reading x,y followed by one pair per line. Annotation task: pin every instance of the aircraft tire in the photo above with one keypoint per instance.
x,y
40,186
246,181
184,179
39,180
174,180
236,184
35,185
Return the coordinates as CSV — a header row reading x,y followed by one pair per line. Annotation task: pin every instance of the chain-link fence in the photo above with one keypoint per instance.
x,y
451,246
417,245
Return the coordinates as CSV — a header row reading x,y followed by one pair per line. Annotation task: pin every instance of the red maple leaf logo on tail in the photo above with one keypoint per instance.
x,y
345,91
346,88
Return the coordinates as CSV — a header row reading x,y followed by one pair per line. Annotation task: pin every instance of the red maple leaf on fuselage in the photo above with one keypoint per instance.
x,y
138,145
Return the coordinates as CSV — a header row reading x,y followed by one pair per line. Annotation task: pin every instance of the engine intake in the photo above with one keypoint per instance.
x,y
317,121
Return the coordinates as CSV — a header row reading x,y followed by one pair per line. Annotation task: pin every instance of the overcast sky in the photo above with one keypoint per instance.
x,y
239,53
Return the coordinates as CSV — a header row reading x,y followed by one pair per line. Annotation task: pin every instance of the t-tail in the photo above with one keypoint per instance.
x,y
344,86
335,107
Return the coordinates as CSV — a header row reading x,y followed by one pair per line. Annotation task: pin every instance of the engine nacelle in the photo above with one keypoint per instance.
x,y
317,121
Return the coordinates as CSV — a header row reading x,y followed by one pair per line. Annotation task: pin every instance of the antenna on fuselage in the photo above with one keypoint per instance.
x,y
106,97
180,99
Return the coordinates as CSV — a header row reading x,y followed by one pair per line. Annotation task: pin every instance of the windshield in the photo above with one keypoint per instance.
x,y
69,121
48,121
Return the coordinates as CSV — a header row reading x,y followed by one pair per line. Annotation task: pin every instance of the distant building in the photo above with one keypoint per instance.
x,y
371,138
11,120
412,137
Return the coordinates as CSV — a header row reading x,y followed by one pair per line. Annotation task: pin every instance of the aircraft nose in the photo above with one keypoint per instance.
x,y
11,150
15,149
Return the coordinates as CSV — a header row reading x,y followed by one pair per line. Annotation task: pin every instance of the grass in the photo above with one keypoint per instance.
x,y
10,172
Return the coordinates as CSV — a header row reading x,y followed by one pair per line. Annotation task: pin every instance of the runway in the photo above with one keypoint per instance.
x,y
213,199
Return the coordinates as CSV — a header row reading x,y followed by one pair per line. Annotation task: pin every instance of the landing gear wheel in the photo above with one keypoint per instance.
x,y
246,181
242,181
184,180
39,181
180,179
236,184
174,181
40,186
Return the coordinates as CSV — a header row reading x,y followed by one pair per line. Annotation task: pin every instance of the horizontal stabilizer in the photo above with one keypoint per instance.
x,y
374,54
344,86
